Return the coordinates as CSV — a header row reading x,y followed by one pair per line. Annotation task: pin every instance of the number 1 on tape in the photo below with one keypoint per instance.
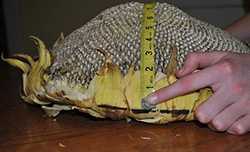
x,y
147,54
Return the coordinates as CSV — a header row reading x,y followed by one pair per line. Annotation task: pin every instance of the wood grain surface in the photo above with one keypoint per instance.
x,y
26,128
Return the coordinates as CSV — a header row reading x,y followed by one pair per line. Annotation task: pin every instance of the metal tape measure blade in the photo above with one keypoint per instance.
x,y
147,54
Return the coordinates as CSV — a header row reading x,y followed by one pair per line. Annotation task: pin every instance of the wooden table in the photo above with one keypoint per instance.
x,y
25,128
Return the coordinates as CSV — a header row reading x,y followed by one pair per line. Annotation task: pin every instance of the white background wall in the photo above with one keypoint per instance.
x,y
47,18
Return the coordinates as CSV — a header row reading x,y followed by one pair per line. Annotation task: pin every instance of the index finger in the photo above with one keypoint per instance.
x,y
187,84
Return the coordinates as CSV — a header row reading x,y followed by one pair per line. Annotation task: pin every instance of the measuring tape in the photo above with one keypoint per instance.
x,y
147,54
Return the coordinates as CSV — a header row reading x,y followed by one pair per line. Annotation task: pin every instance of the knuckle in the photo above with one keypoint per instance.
x,y
239,88
227,67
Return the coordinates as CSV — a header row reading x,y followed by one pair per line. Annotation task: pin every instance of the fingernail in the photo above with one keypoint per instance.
x,y
152,98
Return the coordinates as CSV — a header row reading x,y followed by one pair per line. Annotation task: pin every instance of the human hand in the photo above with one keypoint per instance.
x,y
228,74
